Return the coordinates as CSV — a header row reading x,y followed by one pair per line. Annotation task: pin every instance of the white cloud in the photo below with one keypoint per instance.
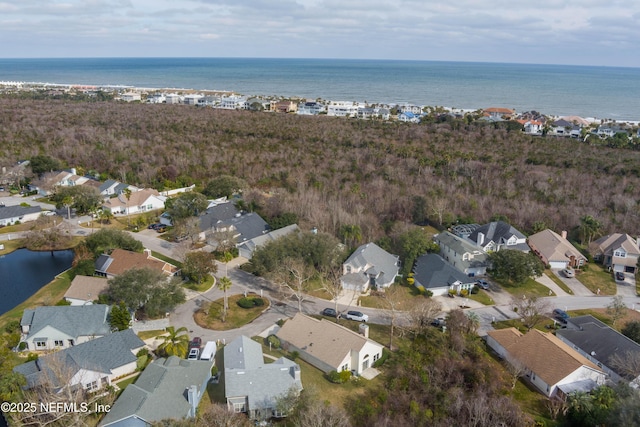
x,y
596,32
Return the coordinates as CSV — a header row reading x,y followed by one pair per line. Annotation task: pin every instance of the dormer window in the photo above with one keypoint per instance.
x,y
620,253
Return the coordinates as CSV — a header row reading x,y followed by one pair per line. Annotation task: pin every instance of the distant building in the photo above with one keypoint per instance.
x,y
10,215
369,266
121,260
498,235
85,289
555,250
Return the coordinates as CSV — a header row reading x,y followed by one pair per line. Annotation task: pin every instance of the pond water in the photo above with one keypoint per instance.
x,y
23,272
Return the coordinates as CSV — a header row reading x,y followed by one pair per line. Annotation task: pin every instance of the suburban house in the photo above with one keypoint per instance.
x,y
241,227
216,212
232,102
121,260
432,273
59,327
618,252
555,250
85,289
247,248
92,365
252,386
369,266
138,202
550,365
408,108
110,187
130,97
284,107
9,215
329,346
498,235
531,127
409,117
601,345
342,109
310,108
500,113
462,254
168,388
464,230
68,179
172,98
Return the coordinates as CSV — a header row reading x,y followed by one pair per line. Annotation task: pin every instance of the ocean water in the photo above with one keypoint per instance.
x,y
601,92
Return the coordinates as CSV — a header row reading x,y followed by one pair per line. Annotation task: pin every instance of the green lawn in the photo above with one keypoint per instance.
x,y
166,259
123,384
544,325
482,297
557,281
201,287
407,297
145,335
236,315
529,287
594,277
532,402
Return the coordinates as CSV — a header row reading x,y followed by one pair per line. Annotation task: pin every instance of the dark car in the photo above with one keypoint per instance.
x,y
196,342
329,312
620,276
154,226
483,284
561,315
161,228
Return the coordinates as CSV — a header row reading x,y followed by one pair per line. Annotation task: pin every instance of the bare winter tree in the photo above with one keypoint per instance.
x,y
617,309
293,278
422,314
627,364
331,284
530,308
67,403
393,298
222,240
312,411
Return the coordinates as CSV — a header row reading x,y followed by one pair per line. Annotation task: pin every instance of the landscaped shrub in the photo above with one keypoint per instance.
x,y
250,302
274,341
345,376
293,355
22,346
464,292
245,302
428,293
475,290
339,377
63,302
385,355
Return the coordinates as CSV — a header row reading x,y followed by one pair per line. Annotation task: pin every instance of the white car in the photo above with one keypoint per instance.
x,y
357,316
193,354
569,273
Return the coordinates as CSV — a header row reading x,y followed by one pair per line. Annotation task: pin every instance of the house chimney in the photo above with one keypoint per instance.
x,y
564,234
295,372
364,330
148,252
74,171
480,238
192,397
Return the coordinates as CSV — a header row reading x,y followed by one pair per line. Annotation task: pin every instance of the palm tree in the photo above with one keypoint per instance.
x,y
351,234
67,202
589,226
224,285
176,343
127,194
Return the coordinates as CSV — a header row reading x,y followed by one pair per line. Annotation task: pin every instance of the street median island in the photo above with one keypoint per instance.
x,y
242,310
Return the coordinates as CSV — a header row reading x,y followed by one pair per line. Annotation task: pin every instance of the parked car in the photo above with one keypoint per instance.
x,y
161,228
329,312
483,284
154,226
196,342
193,354
438,322
561,315
569,273
620,276
357,316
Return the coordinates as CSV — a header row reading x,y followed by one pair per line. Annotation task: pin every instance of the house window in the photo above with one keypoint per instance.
x,y
93,385
344,367
239,407
58,343
41,344
348,269
376,357
620,253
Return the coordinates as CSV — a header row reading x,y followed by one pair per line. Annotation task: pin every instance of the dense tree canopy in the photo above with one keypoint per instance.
x,y
513,266
186,205
106,240
147,290
41,164
224,186
198,265
83,199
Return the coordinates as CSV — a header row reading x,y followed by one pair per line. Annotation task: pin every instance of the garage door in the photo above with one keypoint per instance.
x,y
559,265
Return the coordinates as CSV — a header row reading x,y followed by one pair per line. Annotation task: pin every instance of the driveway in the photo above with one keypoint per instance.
x,y
574,284
546,281
627,287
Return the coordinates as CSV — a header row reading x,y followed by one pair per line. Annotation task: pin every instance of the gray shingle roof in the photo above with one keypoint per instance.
x,y
16,211
220,212
597,339
461,246
270,236
100,355
107,184
432,271
499,232
249,226
375,260
247,375
159,392
75,321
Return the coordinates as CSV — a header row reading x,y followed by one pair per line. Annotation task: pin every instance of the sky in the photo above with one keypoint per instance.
x,y
577,32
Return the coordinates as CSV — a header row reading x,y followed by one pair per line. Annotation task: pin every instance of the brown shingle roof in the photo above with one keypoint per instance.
x,y
137,198
323,339
553,247
124,260
86,288
543,353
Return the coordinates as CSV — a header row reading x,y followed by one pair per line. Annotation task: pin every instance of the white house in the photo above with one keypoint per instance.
x,y
232,102
173,98
434,274
343,109
92,365
10,215
369,266
138,202
310,108
59,327
498,235
549,364
130,97
329,346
